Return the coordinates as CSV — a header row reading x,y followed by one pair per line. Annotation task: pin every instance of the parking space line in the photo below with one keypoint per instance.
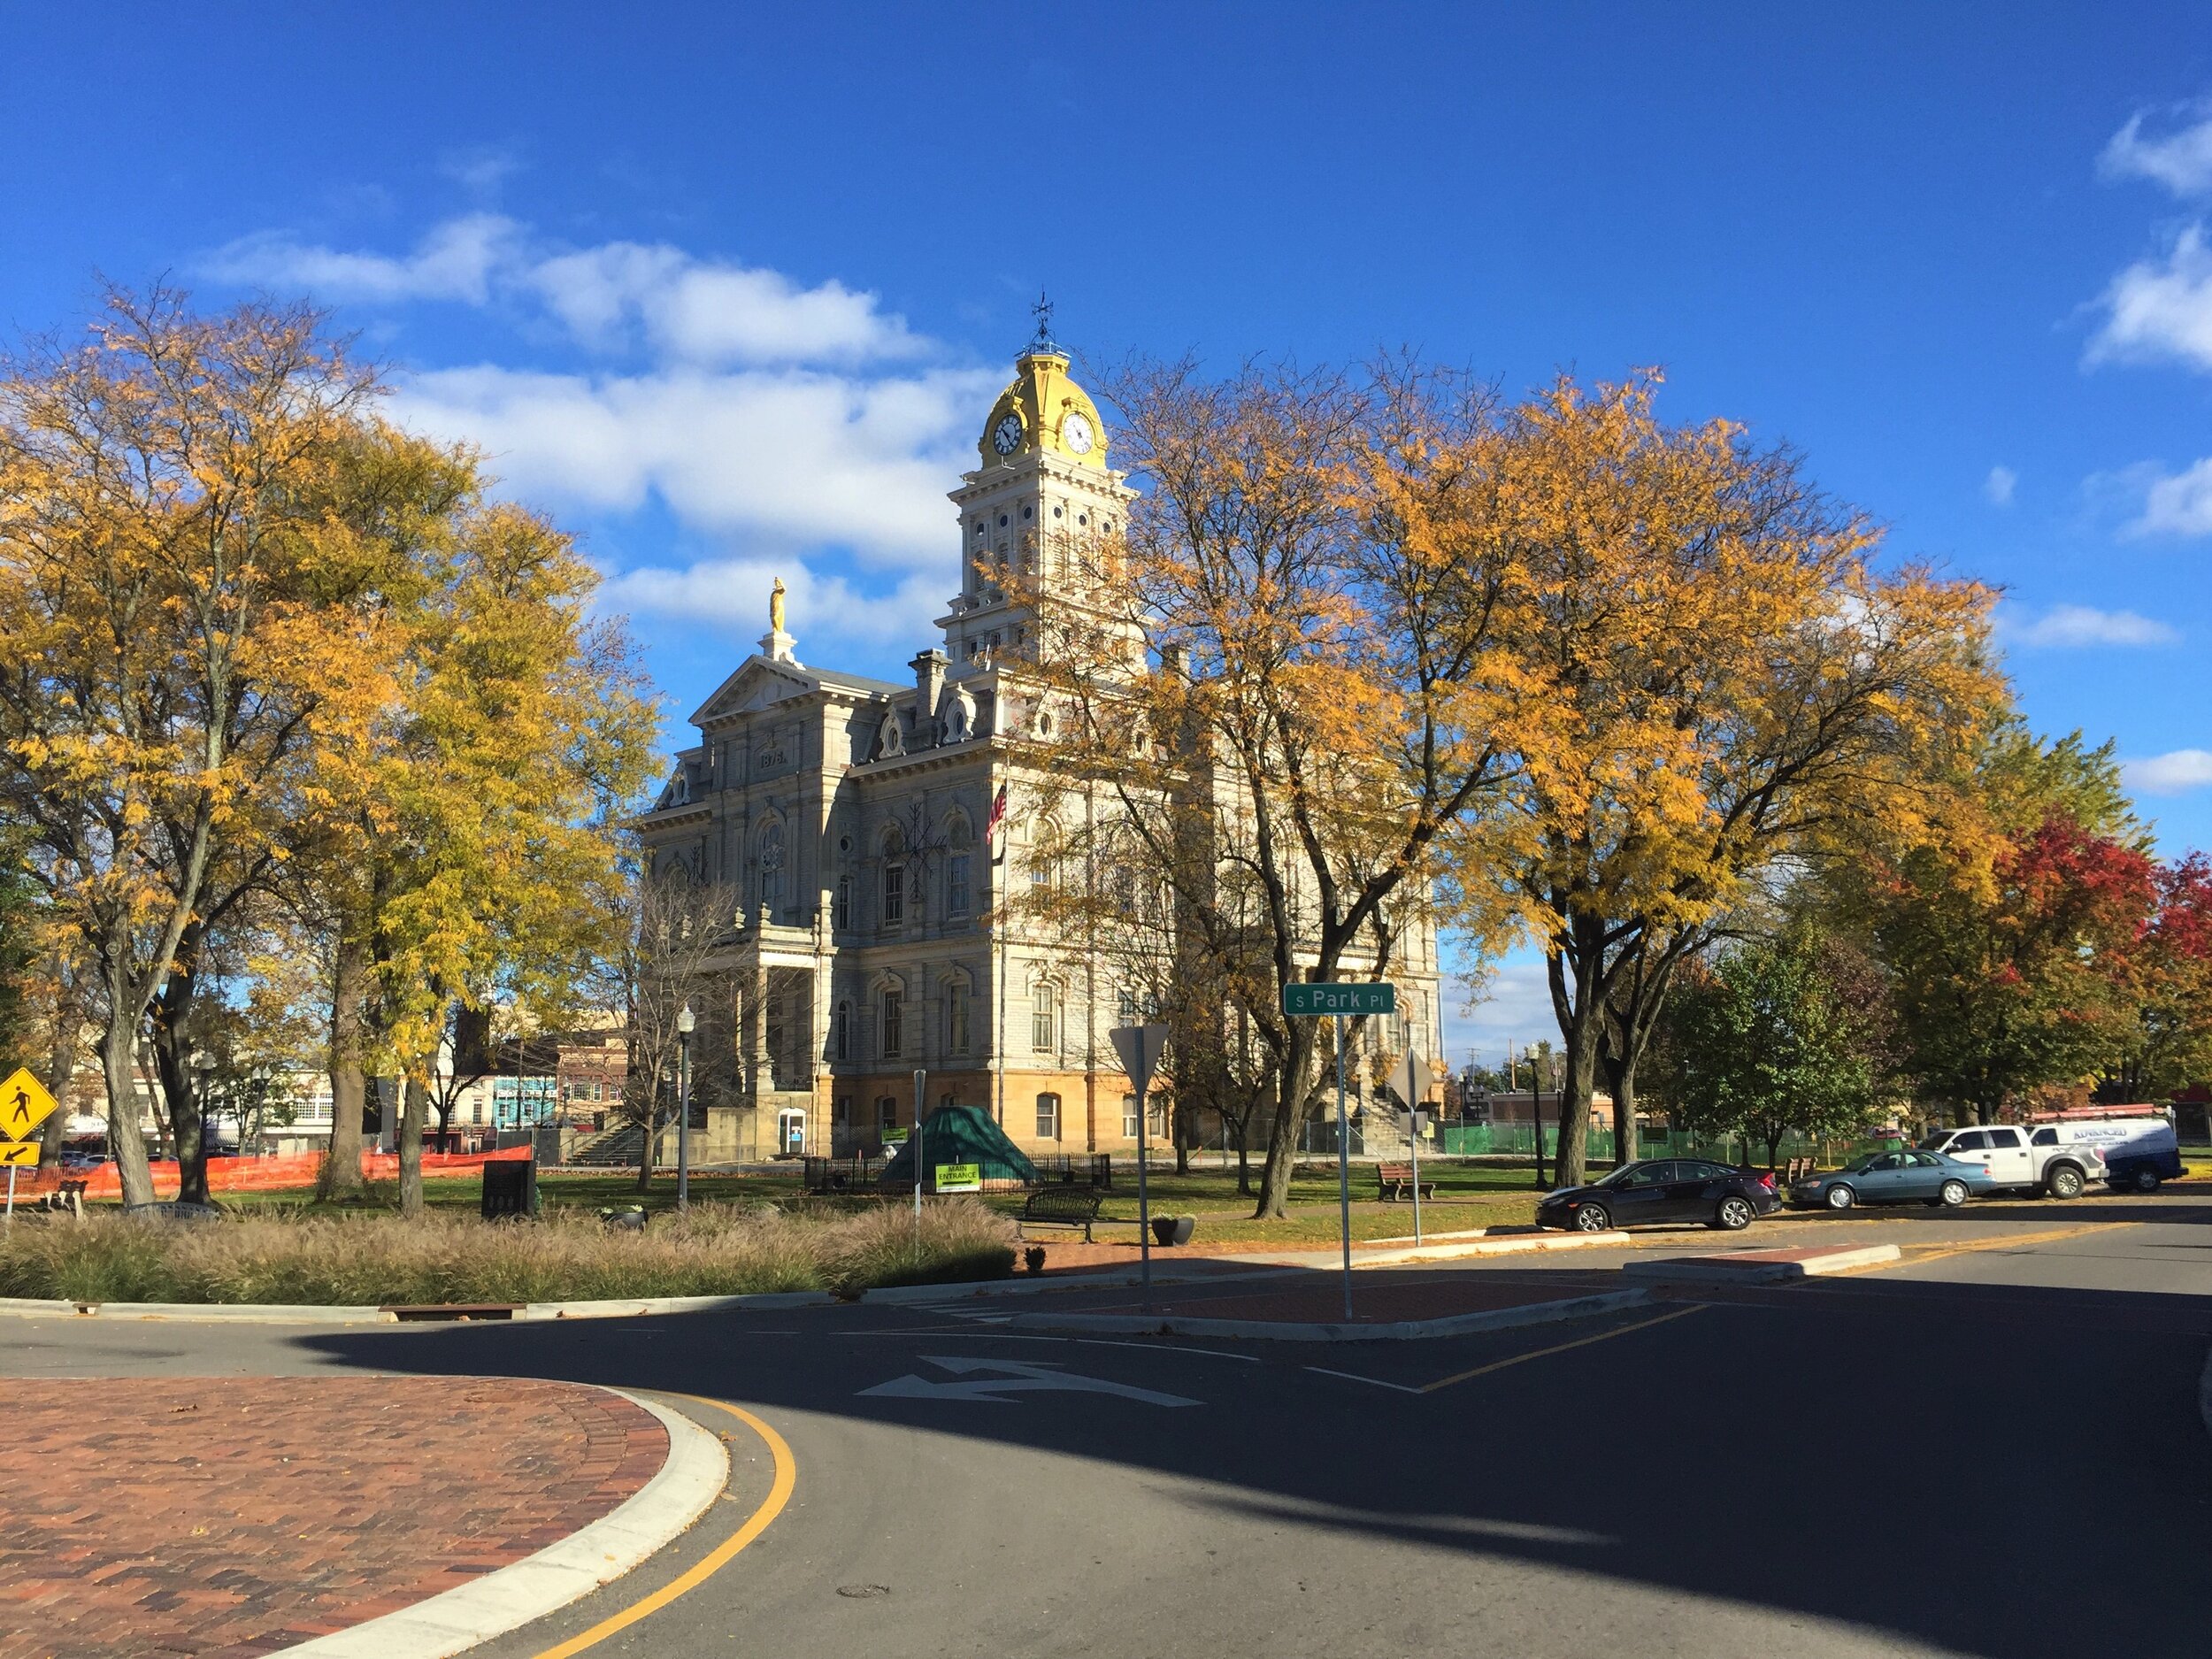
x,y
780,1491
1403,1388
1559,1348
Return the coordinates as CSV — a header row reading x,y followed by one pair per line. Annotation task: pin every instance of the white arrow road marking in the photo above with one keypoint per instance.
x,y
1016,1379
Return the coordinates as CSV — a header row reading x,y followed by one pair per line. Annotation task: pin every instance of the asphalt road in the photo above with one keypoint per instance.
x,y
1992,1449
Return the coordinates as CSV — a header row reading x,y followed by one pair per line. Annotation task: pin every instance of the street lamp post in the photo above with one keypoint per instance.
x,y
686,1021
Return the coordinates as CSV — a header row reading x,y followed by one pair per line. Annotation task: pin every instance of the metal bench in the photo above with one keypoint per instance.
x,y
1394,1180
1061,1207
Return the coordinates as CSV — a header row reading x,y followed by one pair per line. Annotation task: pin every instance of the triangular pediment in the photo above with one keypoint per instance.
x,y
758,683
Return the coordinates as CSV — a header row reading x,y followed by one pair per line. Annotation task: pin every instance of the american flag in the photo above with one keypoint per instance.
x,y
998,818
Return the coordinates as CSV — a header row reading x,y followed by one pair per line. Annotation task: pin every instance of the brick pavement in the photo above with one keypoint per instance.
x,y
234,1516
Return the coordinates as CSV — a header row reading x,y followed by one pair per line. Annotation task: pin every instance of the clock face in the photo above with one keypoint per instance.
x,y
1075,432
1006,437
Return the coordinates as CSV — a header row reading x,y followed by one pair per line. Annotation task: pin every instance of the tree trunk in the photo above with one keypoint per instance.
x,y
648,1149
61,1068
173,1067
410,1121
1180,1122
1580,1018
1621,1079
341,1174
127,1140
1292,1097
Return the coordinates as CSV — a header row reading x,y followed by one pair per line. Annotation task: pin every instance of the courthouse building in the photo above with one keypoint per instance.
x,y
852,820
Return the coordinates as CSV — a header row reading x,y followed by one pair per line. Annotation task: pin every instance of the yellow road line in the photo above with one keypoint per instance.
x,y
1560,1347
787,1477
1937,1253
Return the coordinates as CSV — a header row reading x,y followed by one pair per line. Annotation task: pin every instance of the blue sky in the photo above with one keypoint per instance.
x,y
729,289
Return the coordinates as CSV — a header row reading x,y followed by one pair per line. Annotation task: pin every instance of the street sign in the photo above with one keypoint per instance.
x,y
959,1177
24,1104
1373,996
19,1154
1411,1079
1139,1048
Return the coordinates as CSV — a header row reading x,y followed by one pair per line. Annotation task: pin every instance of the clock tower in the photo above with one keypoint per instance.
x,y
1043,497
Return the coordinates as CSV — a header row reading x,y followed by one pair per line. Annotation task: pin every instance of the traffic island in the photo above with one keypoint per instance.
x,y
1763,1267
402,1519
1436,1305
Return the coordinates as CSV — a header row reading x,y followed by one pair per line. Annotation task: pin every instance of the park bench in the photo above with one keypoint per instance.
x,y
1393,1180
1061,1207
68,1197
1795,1170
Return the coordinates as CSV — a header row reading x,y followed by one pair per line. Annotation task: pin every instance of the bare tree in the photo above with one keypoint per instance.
x,y
662,963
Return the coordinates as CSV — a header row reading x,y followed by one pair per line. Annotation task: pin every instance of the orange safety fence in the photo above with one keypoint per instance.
x,y
254,1175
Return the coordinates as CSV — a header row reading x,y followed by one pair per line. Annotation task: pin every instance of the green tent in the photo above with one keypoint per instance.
x,y
961,1134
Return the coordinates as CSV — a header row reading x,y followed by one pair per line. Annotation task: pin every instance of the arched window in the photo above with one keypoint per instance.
x,y
955,1016
959,860
1044,1018
1048,1116
893,1007
771,868
894,895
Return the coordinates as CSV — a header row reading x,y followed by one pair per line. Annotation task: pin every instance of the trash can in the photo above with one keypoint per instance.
x,y
510,1188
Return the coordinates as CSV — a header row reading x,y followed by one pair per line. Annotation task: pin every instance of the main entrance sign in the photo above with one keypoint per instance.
x,y
1371,998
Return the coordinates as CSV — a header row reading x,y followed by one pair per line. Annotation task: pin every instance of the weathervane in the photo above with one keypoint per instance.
x,y
1042,311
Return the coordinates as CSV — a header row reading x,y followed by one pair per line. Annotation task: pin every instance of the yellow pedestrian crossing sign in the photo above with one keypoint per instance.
x,y
24,1105
14,1154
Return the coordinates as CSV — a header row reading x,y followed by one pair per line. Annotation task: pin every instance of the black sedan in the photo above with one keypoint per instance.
x,y
1663,1189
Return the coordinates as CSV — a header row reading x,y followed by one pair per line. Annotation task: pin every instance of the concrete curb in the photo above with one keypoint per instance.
x,y
327,1313
1116,1279
1508,1244
1286,1330
512,1597
622,1308
1718,1270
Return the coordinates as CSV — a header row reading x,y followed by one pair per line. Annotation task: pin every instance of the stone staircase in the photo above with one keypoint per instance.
x,y
617,1148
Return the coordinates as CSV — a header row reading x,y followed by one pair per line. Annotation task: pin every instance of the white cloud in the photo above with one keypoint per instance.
x,y
455,261
2159,310
2065,625
1515,1007
700,311
2180,160
1999,486
2178,504
687,309
802,455
2171,774
826,612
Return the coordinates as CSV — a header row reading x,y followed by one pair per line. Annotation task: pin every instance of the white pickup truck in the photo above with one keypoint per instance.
x,y
2060,1156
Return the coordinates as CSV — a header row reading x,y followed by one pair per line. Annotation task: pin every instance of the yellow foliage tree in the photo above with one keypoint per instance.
x,y
181,643
1710,672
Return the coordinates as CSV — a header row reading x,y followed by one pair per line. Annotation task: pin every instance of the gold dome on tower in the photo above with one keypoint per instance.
x,y
1043,409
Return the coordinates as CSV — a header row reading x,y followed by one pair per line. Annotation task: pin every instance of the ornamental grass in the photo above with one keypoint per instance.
x,y
564,1256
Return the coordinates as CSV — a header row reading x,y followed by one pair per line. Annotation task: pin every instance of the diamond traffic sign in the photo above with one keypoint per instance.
x,y
22,1154
1371,998
24,1104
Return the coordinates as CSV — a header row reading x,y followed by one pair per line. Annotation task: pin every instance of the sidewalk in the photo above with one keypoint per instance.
x,y
237,1515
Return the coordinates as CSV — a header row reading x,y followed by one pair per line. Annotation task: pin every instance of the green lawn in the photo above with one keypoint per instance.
x,y
1467,1195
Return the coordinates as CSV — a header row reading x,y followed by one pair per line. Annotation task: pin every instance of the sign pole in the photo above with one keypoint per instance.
x,y
1343,1169
921,1082
1144,1204
11,1223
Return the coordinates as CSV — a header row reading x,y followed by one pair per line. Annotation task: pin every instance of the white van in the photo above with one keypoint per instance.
x,y
2060,1156
2029,1158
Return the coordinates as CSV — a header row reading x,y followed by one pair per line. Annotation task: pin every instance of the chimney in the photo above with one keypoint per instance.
x,y
929,685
